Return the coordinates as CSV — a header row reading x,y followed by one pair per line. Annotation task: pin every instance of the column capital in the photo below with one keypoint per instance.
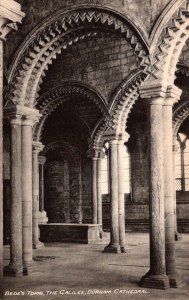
x,y
173,95
123,138
29,116
42,159
113,142
10,15
93,152
153,91
37,147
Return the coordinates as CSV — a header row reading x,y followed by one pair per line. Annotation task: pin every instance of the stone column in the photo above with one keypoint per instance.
x,y
99,183
80,193
15,267
10,14
42,216
156,277
178,236
37,147
113,246
173,94
30,117
94,188
121,198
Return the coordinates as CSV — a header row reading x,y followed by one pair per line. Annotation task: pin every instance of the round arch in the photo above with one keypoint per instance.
x,y
167,45
49,101
120,107
60,32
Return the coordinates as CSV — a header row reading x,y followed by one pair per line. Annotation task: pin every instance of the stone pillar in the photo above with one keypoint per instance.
x,y
173,94
37,147
30,117
121,198
10,14
80,193
94,188
42,216
15,267
156,277
99,183
178,236
113,246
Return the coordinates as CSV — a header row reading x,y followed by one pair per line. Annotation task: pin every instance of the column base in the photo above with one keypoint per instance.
x,y
30,268
38,245
178,236
42,217
175,281
112,248
155,281
123,249
13,271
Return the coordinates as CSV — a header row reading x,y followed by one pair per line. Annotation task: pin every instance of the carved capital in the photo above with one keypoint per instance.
x,y
123,138
10,15
173,95
41,160
93,153
28,115
153,91
37,147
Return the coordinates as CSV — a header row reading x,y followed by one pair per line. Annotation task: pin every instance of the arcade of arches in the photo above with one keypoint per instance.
x,y
95,126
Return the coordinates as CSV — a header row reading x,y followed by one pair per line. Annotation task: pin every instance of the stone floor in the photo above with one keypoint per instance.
x,y
76,271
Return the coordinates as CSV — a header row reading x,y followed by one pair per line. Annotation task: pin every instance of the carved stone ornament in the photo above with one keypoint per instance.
x,y
10,14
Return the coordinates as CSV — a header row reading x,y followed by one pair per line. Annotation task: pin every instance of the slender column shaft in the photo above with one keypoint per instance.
x,y
94,189
156,277
168,191
121,200
80,194
15,267
37,147
41,187
182,147
114,246
177,235
1,162
27,192
35,186
157,237
114,193
42,217
99,194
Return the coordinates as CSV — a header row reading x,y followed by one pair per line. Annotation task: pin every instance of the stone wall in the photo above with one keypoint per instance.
x,y
101,62
62,191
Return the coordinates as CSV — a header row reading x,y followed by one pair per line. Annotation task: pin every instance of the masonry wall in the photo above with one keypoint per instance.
x,y
101,62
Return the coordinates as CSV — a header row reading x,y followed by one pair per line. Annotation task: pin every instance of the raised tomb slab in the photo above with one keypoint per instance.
x,y
70,233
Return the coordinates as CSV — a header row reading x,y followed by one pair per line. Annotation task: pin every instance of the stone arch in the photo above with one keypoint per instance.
x,y
49,101
167,45
62,143
120,107
58,32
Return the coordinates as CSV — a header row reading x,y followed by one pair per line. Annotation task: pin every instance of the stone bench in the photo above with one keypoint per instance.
x,y
71,233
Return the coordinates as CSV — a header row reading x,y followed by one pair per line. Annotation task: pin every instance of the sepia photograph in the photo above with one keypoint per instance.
x,y
94,149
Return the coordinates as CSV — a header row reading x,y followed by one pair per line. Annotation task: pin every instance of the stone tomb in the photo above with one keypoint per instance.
x,y
71,233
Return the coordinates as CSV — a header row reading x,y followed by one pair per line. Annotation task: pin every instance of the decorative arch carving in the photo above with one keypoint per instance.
x,y
49,101
56,33
169,45
121,106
